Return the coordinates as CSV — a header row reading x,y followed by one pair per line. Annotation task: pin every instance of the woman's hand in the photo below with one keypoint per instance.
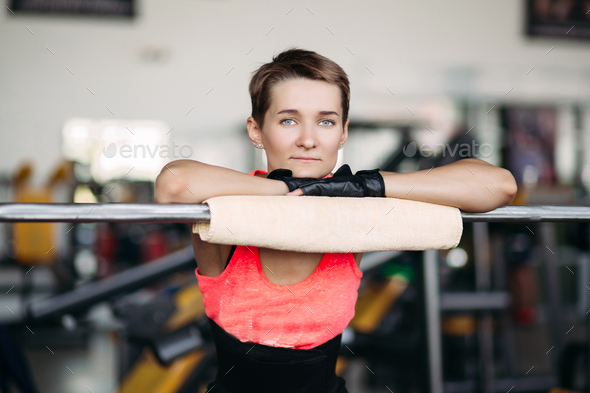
x,y
297,192
286,175
344,184
368,183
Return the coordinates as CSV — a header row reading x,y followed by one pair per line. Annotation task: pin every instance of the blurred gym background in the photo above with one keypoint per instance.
x,y
97,95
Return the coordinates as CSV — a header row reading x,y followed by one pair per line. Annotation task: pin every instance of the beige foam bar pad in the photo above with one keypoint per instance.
x,y
330,224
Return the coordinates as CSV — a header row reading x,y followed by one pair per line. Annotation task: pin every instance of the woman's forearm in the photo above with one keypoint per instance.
x,y
470,184
189,181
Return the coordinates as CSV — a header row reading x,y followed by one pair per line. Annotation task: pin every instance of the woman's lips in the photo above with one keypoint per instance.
x,y
306,160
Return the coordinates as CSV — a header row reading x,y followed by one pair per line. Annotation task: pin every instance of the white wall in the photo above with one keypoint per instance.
x,y
413,48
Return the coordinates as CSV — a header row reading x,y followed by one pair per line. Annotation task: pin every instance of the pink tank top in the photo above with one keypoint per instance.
x,y
245,303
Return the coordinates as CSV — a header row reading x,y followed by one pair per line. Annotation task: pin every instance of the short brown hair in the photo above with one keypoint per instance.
x,y
295,63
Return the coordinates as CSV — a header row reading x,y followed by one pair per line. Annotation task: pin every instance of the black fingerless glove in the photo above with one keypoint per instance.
x,y
368,183
286,175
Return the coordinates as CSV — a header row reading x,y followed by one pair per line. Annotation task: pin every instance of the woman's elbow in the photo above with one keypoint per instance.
x,y
503,194
510,187
167,187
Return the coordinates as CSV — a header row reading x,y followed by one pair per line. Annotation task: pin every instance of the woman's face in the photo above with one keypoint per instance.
x,y
303,120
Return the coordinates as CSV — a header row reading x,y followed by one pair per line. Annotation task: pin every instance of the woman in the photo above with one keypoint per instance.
x,y
277,321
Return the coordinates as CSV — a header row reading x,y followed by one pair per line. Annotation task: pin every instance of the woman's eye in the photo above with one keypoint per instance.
x,y
330,122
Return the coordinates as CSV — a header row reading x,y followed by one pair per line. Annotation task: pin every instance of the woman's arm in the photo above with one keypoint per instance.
x,y
470,184
189,181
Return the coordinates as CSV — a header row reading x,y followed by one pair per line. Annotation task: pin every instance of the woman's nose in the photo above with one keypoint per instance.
x,y
308,136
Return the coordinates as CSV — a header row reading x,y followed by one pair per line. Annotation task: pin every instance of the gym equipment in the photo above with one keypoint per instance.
x,y
339,224
14,362
199,213
134,278
138,212
574,359
35,242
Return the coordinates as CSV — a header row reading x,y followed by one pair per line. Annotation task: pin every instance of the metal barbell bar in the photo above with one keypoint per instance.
x,y
132,212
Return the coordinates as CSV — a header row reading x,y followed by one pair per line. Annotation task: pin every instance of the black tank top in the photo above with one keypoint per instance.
x,y
231,253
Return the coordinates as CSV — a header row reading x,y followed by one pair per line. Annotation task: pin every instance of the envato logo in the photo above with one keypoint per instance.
x,y
143,151
460,149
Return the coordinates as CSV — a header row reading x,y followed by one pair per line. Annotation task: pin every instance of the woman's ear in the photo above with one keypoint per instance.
x,y
253,130
345,132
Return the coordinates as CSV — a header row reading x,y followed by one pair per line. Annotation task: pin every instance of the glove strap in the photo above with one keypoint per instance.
x,y
373,183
